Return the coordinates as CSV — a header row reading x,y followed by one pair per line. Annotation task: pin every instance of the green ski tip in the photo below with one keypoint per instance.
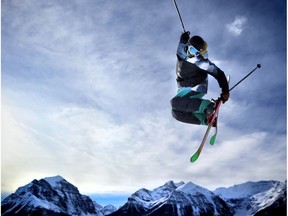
x,y
213,139
194,157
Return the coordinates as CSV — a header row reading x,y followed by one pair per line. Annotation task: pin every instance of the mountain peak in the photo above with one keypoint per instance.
x,y
48,196
173,184
54,180
187,187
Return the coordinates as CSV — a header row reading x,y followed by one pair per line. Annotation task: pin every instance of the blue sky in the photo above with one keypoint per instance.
x,y
86,87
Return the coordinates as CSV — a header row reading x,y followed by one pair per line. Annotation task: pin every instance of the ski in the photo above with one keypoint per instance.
x,y
218,102
196,155
213,137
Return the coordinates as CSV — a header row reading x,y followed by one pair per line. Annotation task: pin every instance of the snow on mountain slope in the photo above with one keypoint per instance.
x,y
268,198
193,189
247,189
149,198
54,181
252,197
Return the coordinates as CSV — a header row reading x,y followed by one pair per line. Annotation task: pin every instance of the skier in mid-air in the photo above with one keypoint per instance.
x,y
193,67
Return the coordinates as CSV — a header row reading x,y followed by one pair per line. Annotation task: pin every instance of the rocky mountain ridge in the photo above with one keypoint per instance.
x,y
51,196
56,197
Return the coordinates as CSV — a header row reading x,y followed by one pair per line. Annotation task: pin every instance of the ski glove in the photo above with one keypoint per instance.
x,y
185,36
225,96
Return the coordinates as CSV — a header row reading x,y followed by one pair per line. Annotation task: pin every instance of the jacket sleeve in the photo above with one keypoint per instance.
x,y
219,75
181,49
221,79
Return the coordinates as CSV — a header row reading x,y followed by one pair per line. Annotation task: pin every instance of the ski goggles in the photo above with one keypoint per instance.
x,y
193,51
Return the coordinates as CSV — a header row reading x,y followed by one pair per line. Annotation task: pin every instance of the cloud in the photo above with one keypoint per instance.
x,y
237,26
240,157
86,89
88,141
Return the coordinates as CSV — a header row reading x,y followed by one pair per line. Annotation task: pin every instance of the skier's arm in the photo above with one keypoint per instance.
x,y
223,83
220,76
181,54
222,80
181,49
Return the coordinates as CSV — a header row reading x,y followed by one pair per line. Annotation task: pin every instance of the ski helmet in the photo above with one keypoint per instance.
x,y
198,42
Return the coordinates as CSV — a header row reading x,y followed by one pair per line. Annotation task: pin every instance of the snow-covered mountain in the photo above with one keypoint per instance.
x,y
252,198
174,199
56,197
256,198
51,196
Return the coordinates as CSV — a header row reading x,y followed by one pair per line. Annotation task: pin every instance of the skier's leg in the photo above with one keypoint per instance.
x,y
189,101
189,107
186,117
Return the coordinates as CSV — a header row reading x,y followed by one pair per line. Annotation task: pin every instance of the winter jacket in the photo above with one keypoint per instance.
x,y
193,72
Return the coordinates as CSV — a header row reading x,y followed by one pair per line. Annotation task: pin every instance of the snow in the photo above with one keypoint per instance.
x,y
267,198
252,196
187,188
190,188
244,190
179,184
31,200
36,202
54,181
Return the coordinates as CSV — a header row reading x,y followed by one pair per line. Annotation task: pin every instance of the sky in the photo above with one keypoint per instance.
x,y
86,88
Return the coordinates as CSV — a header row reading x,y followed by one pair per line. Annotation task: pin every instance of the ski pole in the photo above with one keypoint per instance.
x,y
175,4
258,66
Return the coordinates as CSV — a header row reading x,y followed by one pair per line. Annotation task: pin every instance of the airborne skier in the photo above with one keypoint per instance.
x,y
193,68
